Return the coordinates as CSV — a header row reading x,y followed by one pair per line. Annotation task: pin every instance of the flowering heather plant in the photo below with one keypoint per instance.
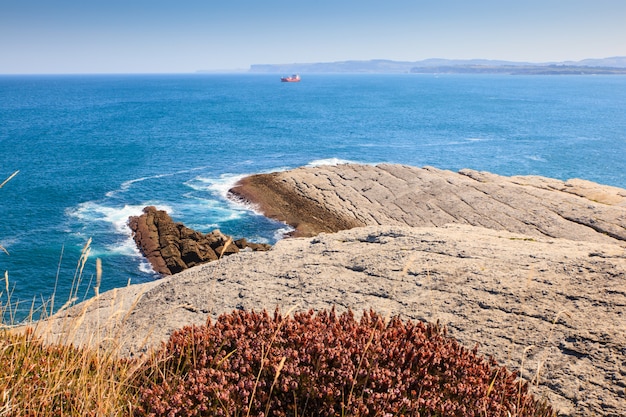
x,y
255,364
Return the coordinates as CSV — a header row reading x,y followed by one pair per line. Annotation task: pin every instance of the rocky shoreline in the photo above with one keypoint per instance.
x,y
277,200
332,198
529,269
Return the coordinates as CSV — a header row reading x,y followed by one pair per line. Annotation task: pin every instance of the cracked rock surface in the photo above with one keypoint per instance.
x,y
532,270
332,198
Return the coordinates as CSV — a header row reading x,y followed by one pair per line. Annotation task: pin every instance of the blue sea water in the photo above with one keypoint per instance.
x,y
93,150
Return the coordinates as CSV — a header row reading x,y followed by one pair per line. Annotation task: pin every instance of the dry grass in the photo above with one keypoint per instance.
x,y
43,379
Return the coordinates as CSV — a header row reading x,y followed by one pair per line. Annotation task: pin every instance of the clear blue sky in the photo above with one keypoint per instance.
x,y
171,36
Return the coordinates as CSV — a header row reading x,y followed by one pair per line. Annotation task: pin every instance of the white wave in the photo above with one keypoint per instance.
x,y
204,226
116,216
194,202
329,161
216,203
219,185
126,185
282,232
146,268
244,205
129,248
536,158
126,247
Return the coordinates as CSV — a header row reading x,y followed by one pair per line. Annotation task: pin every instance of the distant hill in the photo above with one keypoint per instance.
x,y
613,65
553,69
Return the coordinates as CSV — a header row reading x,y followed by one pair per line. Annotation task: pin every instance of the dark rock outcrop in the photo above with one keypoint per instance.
x,y
171,247
277,199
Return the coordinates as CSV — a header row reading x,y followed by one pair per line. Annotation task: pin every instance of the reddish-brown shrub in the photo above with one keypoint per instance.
x,y
333,365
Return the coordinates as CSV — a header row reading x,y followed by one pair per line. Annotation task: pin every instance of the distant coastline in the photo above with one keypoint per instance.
x,y
604,66
520,70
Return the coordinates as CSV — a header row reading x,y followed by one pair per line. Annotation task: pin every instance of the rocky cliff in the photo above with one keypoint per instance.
x,y
531,270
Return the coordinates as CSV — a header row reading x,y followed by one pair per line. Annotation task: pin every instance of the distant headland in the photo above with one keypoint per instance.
x,y
613,65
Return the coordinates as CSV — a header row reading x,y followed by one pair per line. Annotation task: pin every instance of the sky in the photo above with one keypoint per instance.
x,y
182,36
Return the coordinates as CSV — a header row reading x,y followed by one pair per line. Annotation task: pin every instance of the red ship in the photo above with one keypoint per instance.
x,y
295,78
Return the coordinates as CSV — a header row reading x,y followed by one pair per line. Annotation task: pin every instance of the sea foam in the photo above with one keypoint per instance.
x,y
329,161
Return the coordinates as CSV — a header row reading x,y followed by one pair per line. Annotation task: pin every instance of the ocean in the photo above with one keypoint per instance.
x,y
92,150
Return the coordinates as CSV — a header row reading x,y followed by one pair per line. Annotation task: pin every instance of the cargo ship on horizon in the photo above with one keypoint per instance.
x,y
295,78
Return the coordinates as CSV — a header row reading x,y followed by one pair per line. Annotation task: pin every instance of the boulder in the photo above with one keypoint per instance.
x,y
171,247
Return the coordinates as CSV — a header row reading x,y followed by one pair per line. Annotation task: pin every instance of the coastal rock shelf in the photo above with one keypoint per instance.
x,y
530,270
555,306
332,198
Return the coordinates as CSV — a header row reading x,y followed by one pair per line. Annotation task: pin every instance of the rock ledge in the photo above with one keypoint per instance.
x,y
333,198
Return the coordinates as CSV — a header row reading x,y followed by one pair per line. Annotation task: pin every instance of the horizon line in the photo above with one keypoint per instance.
x,y
249,69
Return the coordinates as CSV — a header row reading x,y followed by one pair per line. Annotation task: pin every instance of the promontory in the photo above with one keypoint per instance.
x,y
531,270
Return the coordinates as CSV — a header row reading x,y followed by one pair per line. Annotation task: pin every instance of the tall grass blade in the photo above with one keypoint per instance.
x,y
9,179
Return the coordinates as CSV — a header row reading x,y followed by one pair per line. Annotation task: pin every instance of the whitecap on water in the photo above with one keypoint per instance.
x,y
282,232
329,161
146,268
217,199
117,217
536,158
218,186
126,185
